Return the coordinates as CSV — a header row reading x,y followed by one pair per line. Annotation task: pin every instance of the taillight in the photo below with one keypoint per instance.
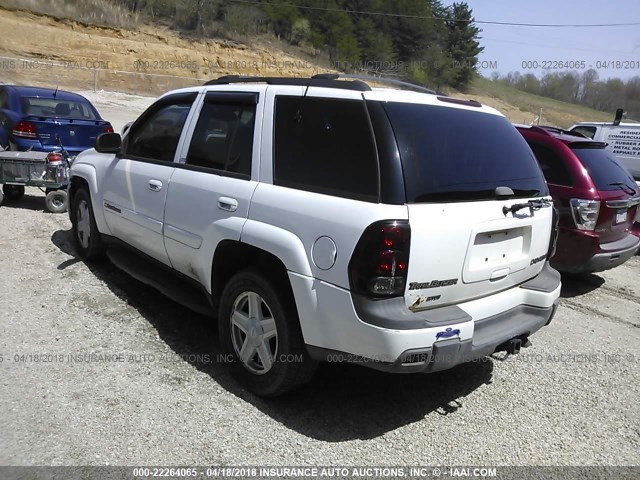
x,y
585,213
380,260
24,130
551,251
53,157
108,129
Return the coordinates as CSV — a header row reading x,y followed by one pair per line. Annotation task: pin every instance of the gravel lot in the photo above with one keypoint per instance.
x,y
162,401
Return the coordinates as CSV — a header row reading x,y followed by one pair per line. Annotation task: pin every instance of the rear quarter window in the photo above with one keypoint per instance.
x,y
454,154
325,146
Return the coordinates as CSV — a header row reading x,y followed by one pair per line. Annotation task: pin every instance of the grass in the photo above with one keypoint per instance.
x,y
554,112
91,12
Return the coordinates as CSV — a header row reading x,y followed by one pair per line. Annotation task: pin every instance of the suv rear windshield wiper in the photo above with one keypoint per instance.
x,y
624,187
532,205
469,195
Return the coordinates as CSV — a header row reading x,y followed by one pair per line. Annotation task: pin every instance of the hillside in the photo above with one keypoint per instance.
x,y
151,60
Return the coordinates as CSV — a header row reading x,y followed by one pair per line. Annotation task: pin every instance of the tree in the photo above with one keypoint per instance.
x,y
462,44
281,16
300,31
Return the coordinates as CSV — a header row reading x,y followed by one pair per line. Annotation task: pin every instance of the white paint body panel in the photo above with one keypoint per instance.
x,y
470,242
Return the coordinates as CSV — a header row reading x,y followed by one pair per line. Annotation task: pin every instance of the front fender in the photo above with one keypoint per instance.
x,y
88,173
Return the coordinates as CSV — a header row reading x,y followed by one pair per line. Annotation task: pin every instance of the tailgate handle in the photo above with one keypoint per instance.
x,y
498,274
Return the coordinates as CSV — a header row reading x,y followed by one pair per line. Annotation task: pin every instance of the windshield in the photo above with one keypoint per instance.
x,y
452,154
51,107
605,170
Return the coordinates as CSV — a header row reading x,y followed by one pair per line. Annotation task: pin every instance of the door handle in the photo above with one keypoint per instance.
x,y
228,204
155,185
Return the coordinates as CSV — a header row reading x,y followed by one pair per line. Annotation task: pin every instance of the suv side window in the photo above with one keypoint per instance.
x,y
326,146
156,136
552,166
223,138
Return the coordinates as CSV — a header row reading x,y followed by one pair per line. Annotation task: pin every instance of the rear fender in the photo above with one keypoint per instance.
x,y
279,242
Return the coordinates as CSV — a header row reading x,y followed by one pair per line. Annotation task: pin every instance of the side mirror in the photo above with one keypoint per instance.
x,y
108,143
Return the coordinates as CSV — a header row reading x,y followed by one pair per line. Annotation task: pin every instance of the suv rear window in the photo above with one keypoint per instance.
x,y
604,169
452,154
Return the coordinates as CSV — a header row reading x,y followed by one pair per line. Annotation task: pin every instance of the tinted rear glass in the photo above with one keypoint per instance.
x,y
604,169
325,146
50,107
451,154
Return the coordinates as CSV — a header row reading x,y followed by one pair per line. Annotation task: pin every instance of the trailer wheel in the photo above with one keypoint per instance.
x,y
13,192
56,201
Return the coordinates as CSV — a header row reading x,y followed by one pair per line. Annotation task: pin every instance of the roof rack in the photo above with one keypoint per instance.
x,y
390,81
328,80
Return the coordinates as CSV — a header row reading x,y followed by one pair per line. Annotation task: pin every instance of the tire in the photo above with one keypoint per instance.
x,y
86,236
57,201
284,347
1,197
13,192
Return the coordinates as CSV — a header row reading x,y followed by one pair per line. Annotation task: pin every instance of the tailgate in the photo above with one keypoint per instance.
x,y
616,216
461,251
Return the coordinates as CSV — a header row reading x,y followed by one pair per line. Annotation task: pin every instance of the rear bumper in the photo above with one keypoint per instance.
x,y
23,145
610,255
472,330
490,335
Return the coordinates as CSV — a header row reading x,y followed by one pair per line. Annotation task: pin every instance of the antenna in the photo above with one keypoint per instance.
x,y
55,92
298,115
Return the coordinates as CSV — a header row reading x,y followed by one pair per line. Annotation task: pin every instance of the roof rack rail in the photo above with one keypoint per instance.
x,y
391,81
328,80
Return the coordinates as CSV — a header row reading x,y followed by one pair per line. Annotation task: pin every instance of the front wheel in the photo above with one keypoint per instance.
x,y
56,201
260,330
85,232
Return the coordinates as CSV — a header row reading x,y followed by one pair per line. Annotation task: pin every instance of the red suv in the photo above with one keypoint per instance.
x,y
596,198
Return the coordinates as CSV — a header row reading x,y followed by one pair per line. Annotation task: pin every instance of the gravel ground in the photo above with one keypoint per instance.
x,y
161,402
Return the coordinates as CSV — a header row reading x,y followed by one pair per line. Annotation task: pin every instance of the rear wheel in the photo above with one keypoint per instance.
x,y
56,201
13,192
259,328
1,197
85,232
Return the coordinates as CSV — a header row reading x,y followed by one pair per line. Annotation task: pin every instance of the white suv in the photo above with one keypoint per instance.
x,y
323,220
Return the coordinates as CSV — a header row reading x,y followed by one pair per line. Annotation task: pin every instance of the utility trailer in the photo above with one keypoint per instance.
x,y
47,171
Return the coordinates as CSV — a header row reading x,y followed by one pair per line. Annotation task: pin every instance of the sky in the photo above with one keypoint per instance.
x,y
611,51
